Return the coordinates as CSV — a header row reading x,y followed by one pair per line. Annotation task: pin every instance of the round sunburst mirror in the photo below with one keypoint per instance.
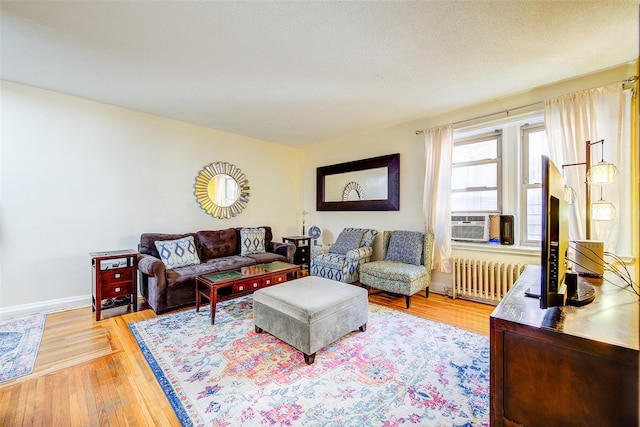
x,y
222,190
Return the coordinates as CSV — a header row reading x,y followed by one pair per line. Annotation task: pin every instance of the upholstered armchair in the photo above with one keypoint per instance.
x,y
406,265
341,260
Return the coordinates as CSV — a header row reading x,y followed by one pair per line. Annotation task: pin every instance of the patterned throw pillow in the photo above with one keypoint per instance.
x,y
252,241
346,241
368,237
406,246
178,253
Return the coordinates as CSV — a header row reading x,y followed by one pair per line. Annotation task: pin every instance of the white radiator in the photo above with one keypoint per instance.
x,y
487,281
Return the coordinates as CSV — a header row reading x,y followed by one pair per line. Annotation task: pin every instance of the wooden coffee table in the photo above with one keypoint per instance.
x,y
231,284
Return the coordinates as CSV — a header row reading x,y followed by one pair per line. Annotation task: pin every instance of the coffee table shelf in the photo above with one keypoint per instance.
x,y
232,284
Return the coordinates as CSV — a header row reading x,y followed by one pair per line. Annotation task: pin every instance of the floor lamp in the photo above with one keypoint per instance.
x,y
589,253
600,173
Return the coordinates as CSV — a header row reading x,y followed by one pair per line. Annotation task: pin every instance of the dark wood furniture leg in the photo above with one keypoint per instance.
x,y
197,295
309,358
213,297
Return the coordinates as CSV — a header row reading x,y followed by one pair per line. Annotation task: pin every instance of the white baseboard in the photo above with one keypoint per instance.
x,y
50,306
438,287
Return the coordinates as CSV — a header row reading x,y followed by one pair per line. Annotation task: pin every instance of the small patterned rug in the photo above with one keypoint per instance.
x,y
19,344
404,370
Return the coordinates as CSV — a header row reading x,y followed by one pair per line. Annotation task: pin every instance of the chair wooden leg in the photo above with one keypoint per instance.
x,y
426,293
408,299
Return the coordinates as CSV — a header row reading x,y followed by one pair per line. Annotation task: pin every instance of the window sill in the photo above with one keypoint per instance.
x,y
497,248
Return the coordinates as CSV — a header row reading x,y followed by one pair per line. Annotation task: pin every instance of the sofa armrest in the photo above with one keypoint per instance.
x,y
285,249
151,266
154,280
320,249
359,254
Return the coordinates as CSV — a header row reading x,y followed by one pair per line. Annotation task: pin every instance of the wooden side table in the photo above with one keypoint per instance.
x,y
114,275
303,251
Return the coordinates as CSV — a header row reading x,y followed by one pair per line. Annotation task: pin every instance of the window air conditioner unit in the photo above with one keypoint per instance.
x,y
470,228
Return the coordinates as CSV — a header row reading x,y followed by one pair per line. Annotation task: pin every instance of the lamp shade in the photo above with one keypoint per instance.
x,y
603,211
602,173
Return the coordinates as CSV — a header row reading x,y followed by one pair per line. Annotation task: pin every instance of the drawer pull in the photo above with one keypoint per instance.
x,y
117,289
117,275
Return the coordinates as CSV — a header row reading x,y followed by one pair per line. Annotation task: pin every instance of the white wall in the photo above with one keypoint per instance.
x,y
79,176
403,139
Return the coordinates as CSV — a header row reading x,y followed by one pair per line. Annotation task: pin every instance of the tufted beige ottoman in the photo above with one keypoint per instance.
x,y
310,313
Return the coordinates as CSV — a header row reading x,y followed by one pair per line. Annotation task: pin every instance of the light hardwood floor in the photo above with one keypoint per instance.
x,y
92,373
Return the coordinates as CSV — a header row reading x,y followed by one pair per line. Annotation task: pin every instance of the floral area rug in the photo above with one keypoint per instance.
x,y
19,344
404,370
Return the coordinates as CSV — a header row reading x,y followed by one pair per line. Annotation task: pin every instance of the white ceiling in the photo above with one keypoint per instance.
x,y
303,72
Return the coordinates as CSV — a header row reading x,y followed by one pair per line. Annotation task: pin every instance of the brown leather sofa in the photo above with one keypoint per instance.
x,y
219,250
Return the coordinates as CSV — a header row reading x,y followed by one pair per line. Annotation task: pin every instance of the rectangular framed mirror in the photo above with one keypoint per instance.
x,y
362,185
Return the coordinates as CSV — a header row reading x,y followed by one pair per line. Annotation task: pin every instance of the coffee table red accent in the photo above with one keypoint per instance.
x,y
231,284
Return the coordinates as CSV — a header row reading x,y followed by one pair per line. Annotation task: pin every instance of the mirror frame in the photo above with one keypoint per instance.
x,y
206,175
392,203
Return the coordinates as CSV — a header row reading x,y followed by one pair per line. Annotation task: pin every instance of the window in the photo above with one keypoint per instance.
x,y
534,145
496,169
476,174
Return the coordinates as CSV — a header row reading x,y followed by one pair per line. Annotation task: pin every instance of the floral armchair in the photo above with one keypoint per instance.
x,y
406,265
341,260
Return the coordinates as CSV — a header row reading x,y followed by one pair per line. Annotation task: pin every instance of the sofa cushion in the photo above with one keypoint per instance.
x,y
148,242
406,246
177,276
216,243
227,263
266,257
346,241
178,253
252,241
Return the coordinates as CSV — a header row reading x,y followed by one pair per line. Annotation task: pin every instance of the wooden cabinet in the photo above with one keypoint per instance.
x,y
565,365
303,250
114,280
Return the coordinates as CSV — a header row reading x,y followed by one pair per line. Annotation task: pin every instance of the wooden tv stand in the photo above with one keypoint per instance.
x,y
565,365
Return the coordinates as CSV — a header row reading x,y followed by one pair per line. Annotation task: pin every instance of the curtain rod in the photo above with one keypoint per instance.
x,y
420,131
631,79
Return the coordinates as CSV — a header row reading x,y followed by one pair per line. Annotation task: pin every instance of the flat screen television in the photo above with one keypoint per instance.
x,y
558,286
555,236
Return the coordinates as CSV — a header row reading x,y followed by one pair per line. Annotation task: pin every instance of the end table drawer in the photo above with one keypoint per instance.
x,y
118,275
111,290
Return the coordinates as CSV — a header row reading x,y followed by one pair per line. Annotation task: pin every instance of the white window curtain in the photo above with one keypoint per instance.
x,y
438,146
572,120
